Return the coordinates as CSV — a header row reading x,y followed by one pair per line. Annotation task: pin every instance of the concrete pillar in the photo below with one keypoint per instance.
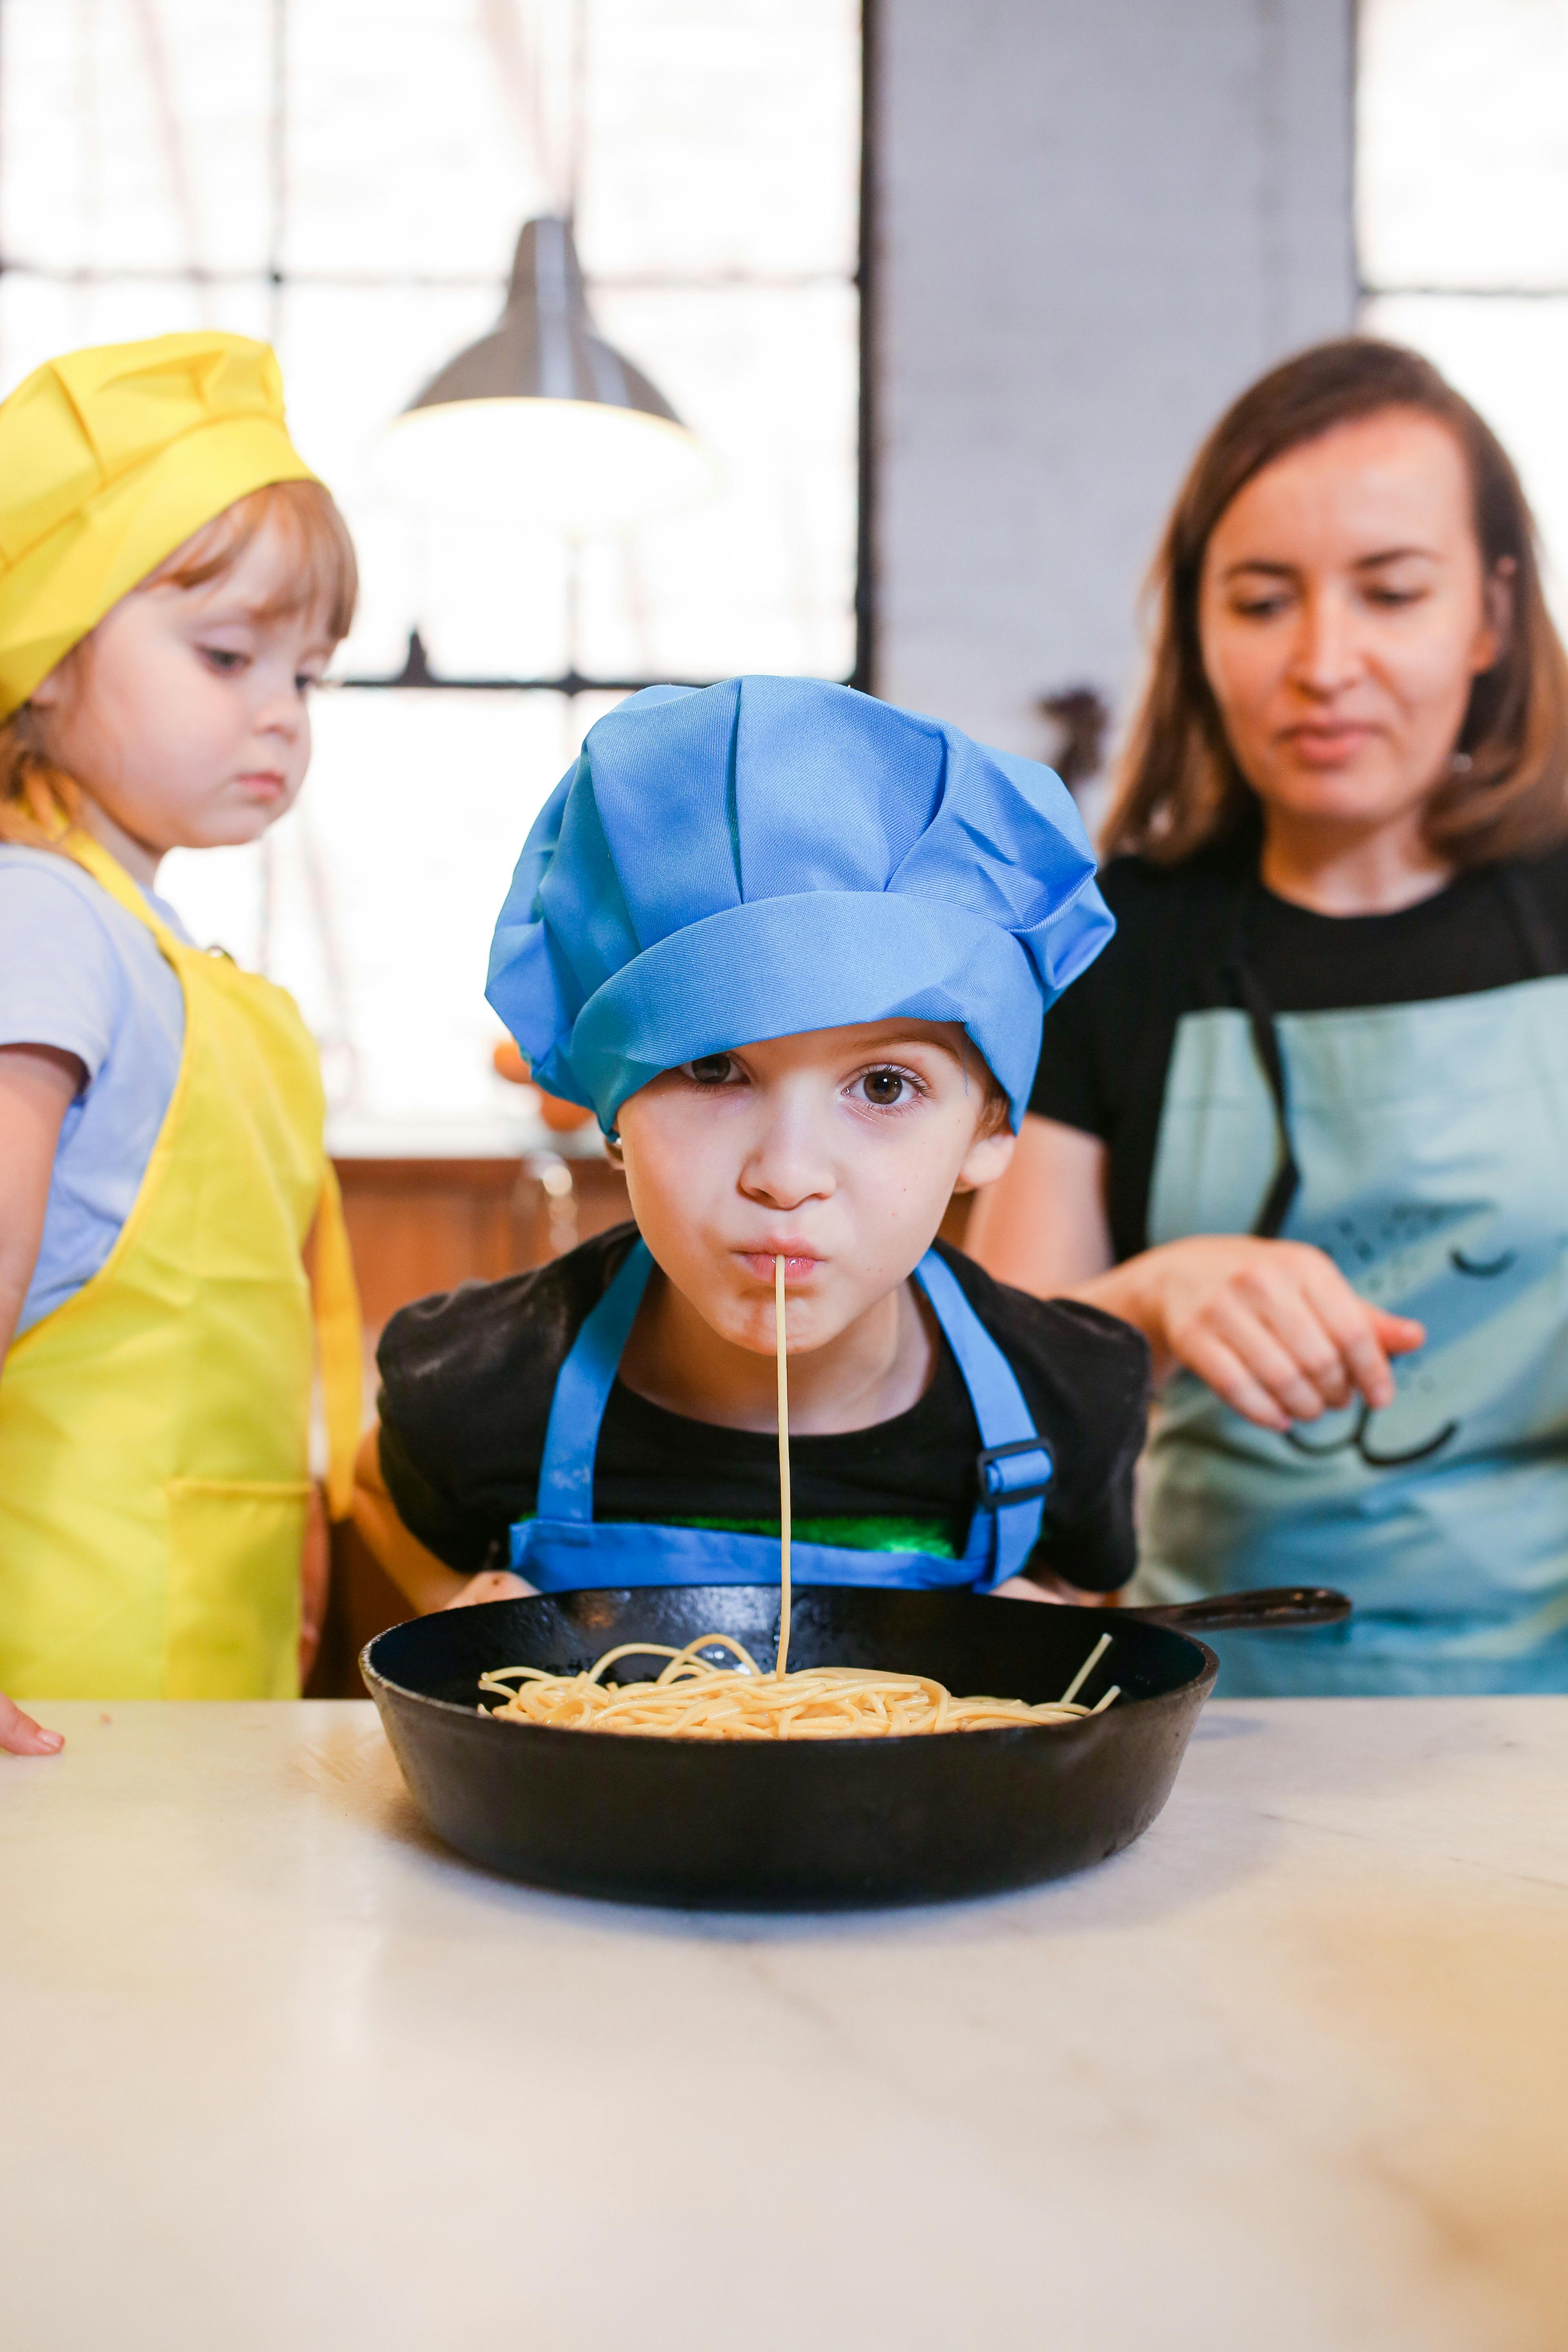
x,y
1097,220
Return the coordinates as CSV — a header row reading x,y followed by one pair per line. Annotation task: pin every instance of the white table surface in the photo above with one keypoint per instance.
x,y
276,2070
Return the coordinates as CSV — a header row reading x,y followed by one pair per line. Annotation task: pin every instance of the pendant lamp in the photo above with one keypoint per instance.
x,y
542,418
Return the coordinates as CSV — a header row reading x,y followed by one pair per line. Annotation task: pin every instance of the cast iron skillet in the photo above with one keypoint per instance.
x,y
807,1825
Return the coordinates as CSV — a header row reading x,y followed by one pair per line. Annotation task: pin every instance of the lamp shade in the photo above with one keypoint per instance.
x,y
543,416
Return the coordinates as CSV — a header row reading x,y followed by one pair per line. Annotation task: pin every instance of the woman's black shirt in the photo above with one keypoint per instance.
x,y
1108,1043
468,1378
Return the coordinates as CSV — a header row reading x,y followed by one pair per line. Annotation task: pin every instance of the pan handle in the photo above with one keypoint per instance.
x,y
1283,1606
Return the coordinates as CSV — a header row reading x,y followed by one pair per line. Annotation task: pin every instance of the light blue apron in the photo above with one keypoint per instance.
x,y
1425,1148
565,1548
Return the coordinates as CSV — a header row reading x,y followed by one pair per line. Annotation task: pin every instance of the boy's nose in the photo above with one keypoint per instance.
x,y
786,1166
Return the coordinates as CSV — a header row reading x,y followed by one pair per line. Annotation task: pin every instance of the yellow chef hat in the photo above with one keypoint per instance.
x,y
109,458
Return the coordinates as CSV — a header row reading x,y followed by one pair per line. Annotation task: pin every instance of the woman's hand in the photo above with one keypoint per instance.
x,y
1273,1327
20,1736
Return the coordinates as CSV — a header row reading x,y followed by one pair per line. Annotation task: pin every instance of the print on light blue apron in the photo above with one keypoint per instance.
x,y
566,1550
1432,1141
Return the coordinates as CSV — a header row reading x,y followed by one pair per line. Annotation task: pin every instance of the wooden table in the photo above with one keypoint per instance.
x,y
1293,2073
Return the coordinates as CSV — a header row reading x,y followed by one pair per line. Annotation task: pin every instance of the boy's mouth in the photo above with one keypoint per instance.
x,y
798,1265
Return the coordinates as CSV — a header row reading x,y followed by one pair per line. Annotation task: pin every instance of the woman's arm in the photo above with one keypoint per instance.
x,y
38,1085
426,1581
1043,1227
1273,1327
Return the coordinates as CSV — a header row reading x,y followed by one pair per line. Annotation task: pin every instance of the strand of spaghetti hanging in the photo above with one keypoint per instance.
x,y
693,1698
781,1348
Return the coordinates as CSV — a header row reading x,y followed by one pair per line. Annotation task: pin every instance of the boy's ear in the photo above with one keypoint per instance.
x,y
985,1161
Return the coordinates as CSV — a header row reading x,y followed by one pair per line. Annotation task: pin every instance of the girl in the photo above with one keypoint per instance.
x,y
173,582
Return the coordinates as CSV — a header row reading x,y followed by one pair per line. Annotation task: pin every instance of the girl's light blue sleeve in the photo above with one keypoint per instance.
x,y
61,982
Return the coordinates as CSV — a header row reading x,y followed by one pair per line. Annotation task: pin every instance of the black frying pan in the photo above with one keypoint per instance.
x,y
807,1825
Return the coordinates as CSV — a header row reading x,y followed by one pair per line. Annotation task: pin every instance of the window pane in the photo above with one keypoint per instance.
x,y
411,143
718,209
135,135
761,576
1512,359
1462,175
486,604
385,883
41,317
748,163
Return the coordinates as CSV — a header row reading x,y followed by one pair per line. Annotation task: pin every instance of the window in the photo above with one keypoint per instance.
x,y
347,178
1462,204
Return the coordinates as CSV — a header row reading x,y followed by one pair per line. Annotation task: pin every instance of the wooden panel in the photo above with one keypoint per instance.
x,y
421,1225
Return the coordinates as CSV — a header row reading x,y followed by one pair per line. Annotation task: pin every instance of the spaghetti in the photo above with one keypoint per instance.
x,y
694,1699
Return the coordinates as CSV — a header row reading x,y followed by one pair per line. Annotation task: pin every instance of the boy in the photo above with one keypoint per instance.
x,y
794,947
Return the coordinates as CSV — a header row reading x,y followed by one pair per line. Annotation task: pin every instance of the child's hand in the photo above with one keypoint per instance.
x,y
492,1584
20,1736
1044,1587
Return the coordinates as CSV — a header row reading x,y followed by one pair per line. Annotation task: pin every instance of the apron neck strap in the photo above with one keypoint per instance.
x,y
1244,991
122,887
583,1391
1014,1467
1542,956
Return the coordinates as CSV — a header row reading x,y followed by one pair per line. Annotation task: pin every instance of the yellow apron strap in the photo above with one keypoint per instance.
x,y
338,1343
110,876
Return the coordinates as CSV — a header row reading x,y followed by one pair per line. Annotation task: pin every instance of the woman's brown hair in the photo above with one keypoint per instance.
x,y
37,799
1180,789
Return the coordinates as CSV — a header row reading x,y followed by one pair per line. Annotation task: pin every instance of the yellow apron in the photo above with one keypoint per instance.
x,y
154,1429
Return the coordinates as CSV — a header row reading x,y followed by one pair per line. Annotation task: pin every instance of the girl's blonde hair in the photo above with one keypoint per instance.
x,y
37,799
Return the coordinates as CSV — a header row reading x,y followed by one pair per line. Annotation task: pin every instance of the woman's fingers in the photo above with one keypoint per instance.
x,y
1232,1379
1275,1329
20,1736
1398,1335
1365,1336
1238,1323
1283,1337
1281,1293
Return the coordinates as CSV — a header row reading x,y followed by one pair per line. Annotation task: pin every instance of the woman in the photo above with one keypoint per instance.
x,y
1305,1122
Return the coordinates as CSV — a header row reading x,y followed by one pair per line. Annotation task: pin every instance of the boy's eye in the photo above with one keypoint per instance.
x,y
223,659
711,1069
885,1088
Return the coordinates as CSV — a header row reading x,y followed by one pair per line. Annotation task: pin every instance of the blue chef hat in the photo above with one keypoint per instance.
x,y
775,854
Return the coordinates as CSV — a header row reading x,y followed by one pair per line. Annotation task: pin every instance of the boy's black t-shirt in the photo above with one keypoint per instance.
x,y
1108,1043
468,1378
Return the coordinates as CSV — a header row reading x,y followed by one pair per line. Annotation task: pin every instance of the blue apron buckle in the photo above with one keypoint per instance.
x,y
998,1486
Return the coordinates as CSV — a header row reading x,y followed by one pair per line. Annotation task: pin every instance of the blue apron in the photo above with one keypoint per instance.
x,y
1425,1148
565,1548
